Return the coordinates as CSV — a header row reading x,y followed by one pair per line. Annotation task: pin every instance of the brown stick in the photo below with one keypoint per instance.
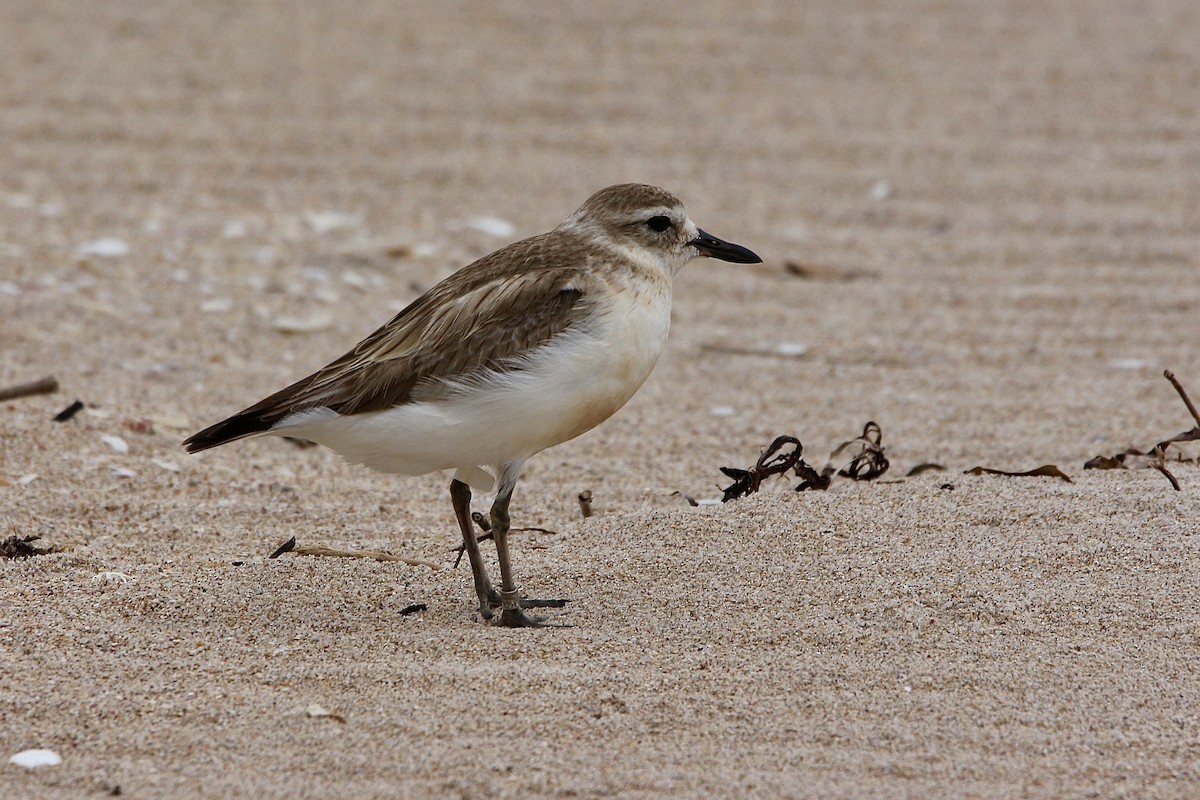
x,y
47,385
1160,464
486,526
1174,483
378,555
1187,401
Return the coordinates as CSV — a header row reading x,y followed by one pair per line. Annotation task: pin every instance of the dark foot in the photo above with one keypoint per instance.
x,y
512,615
488,611
527,602
516,618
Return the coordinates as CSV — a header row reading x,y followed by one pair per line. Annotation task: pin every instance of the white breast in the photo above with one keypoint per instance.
x,y
564,389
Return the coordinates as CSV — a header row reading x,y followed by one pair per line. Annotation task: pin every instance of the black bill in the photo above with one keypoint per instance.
x,y
713,247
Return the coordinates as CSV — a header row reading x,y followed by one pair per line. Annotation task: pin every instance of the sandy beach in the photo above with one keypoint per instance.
x,y
980,226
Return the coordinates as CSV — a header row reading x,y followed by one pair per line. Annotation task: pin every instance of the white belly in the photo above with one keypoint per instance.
x,y
567,387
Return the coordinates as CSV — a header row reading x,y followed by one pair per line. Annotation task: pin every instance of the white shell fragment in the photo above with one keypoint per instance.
x,y
319,321
492,226
112,577
116,443
317,711
176,421
782,349
1130,363
217,305
235,229
104,248
325,221
791,349
36,758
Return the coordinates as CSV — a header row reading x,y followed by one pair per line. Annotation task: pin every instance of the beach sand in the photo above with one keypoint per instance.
x,y
980,225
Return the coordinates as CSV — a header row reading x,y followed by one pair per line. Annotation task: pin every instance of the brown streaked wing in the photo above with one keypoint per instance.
x,y
483,315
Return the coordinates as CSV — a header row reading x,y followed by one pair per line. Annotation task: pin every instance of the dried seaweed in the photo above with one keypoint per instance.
x,y
771,462
811,479
1156,456
927,466
863,458
1106,462
286,547
868,461
859,459
23,547
1044,471
69,411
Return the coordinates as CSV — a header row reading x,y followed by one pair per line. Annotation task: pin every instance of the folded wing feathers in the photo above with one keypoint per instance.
x,y
497,316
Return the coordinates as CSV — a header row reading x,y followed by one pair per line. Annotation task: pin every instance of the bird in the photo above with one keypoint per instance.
x,y
521,350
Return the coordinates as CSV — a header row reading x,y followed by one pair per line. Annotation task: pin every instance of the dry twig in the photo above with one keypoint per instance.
x,y
47,385
290,546
485,525
1187,401
378,555
1160,463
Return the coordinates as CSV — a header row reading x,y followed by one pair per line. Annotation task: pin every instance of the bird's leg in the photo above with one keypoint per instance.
x,y
511,614
460,495
511,602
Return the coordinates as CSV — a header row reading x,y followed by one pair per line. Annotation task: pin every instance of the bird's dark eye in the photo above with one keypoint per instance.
x,y
659,224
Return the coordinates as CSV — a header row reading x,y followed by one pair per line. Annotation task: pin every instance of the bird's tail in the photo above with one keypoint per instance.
x,y
239,426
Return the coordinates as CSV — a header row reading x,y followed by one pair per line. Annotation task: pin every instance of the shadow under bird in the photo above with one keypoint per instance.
x,y
524,349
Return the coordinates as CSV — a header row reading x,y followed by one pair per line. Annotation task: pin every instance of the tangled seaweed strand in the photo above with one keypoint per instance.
x,y
771,462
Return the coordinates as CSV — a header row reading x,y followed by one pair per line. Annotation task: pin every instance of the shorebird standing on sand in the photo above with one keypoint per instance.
x,y
524,349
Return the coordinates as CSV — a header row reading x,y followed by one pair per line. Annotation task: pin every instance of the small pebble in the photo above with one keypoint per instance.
x,y
36,758
116,443
105,248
